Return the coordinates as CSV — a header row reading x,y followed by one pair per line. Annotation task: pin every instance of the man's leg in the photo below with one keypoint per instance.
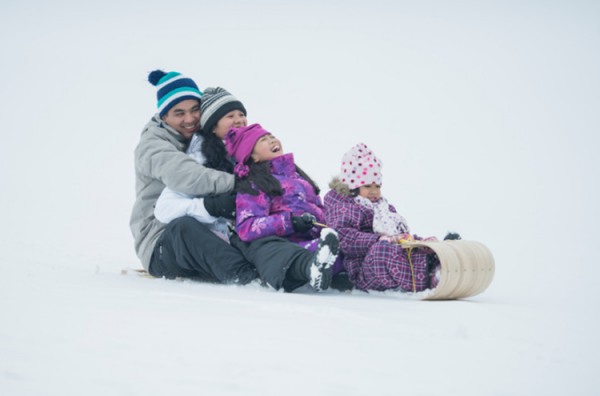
x,y
187,248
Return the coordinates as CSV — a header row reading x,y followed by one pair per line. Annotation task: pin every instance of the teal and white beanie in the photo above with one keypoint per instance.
x,y
173,88
217,102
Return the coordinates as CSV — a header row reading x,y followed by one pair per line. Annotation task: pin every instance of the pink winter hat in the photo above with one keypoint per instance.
x,y
360,167
240,141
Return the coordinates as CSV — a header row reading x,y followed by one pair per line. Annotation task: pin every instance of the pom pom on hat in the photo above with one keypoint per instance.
x,y
155,76
172,88
360,167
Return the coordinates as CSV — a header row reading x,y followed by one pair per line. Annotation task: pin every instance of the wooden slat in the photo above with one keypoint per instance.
x,y
467,268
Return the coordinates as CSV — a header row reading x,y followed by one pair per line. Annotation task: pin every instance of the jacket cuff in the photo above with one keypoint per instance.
x,y
287,223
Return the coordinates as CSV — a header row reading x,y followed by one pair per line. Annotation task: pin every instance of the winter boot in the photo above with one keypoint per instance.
x,y
452,236
341,282
323,259
434,270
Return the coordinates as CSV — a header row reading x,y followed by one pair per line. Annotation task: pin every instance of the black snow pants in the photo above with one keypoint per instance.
x,y
273,257
188,249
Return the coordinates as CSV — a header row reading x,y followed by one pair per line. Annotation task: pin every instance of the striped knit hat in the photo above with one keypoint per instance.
x,y
217,102
173,88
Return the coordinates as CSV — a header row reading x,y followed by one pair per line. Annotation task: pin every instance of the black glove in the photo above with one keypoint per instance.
x,y
303,223
222,205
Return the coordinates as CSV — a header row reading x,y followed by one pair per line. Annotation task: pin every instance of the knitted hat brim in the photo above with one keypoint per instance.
x,y
220,113
178,100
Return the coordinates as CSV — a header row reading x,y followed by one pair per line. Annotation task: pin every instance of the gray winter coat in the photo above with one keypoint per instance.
x,y
160,161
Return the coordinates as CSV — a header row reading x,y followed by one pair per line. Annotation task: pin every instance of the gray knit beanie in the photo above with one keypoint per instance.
x,y
216,102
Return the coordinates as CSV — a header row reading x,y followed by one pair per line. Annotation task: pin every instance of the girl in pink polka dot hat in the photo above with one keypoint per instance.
x,y
360,167
369,229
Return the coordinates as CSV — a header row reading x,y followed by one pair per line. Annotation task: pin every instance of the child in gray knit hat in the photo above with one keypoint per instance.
x,y
219,111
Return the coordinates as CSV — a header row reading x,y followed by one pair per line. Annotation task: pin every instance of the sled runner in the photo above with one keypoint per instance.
x,y
142,273
467,268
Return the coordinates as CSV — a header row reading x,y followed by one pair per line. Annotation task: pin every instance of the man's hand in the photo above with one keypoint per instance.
x,y
222,205
303,223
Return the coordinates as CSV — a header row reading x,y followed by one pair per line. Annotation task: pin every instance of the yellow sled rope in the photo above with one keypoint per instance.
x,y
412,271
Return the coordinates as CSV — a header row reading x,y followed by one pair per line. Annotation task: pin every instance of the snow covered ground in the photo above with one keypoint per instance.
x,y
485,115
75,327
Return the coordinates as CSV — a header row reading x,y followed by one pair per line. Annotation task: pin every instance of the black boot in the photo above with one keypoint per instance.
x,y
452,236
433,269
341,282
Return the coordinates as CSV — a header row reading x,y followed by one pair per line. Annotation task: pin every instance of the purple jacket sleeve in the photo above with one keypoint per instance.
x,y
345,219
254,219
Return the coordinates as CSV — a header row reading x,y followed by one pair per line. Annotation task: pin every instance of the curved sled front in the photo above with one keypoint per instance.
x,y
467,268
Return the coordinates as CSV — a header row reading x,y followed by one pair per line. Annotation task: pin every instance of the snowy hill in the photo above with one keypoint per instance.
x,y
68,329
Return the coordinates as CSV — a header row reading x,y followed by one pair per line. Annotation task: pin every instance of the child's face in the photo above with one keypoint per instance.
x,y
370,191
234,118
267,147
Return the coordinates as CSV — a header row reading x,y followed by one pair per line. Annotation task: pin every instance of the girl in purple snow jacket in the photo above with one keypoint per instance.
x,y
267,204
369,230
276,198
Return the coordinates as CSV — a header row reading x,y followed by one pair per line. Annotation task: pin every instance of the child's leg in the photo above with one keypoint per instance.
x,y
273,256
387,266
286,264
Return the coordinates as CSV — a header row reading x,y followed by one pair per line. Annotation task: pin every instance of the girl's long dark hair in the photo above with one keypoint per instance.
x,y
260,174
215,152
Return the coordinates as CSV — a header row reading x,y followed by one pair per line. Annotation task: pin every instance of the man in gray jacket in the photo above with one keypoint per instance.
x,y
184,247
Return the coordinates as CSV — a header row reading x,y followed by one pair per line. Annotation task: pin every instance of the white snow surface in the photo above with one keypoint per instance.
x,y
485,115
